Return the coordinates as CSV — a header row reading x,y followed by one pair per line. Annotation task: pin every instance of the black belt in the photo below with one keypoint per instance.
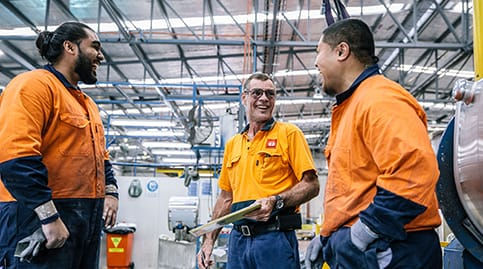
x,y
256,228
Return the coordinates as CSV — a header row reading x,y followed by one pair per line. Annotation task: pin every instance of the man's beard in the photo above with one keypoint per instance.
x,y
83,68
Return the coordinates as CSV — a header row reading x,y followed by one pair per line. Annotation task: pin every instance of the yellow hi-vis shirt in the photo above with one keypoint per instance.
x,y
272,162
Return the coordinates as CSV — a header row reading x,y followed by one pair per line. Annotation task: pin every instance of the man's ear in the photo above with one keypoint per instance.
x,y
69,47
343,51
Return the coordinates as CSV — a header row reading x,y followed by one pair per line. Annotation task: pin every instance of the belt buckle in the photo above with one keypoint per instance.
x,y
245,230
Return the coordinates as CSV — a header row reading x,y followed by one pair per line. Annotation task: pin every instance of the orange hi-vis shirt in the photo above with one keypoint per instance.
x,y
40,117
272,162
378,138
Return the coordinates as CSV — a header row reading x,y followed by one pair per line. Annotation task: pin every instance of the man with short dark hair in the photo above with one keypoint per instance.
x,y
268,163
380,206
57,184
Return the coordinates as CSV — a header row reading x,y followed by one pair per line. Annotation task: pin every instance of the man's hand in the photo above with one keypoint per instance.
x,y
204,255
109,214
262,214
56,234
313,254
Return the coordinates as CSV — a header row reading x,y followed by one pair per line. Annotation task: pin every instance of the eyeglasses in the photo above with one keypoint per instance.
x,y
257,93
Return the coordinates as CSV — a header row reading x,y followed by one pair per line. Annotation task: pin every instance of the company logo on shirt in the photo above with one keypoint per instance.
x,y
271,143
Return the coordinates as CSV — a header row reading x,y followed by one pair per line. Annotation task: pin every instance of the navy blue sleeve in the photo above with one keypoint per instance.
x,y
388,214
109,175
26,179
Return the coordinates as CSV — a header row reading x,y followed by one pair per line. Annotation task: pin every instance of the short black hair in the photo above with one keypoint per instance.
x,y
50,44
257,76
357,35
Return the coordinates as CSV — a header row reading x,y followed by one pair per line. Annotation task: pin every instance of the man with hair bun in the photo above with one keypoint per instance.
x,y
57,186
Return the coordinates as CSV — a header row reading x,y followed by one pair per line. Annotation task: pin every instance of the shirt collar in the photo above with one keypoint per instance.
x,y
266,127
60,77
368,72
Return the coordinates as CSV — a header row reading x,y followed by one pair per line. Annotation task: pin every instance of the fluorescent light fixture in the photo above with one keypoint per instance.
x,y
182,160
172,152
438,105
313,120
159,144
153,133
309,136
218,20
299,101
214,106
431,70
112,148
286,73
142,123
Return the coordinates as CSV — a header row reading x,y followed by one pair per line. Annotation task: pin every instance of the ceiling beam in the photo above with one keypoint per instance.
x,y
17,55
111,10
20,16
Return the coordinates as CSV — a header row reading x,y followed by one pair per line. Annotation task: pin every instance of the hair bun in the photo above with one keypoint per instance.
x,y
43,42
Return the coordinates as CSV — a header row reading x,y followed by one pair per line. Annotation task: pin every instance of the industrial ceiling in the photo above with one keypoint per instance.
x,y
174,68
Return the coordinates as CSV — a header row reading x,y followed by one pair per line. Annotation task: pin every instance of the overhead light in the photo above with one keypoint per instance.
x,y
142,123
220,20
1,53
299,101
431,70
112,148
182,160
309,136
172,152
153,133
159,144
312,120
446,106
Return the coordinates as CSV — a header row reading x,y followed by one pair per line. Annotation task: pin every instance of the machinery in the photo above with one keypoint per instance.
x,y
180,253
182,216
460,187
460,158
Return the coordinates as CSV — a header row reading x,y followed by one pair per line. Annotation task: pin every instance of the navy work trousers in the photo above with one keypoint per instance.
x,y
268,250
83,219
420,250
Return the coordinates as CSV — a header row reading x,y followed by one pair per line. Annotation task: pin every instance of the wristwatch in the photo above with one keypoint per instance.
x,y
278,202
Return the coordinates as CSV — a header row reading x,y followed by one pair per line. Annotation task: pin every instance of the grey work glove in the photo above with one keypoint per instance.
x,y
30,246
313,254
362,236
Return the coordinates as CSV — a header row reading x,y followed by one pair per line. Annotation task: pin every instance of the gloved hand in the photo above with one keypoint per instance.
x,y
313,254
362,236
384,258
30,246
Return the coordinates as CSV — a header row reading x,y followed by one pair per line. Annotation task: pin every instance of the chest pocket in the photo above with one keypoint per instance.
x,y
339,163
232,167
272,166
74,133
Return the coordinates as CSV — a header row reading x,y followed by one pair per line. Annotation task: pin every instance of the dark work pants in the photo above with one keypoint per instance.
x,y
83,219
264,251
420,250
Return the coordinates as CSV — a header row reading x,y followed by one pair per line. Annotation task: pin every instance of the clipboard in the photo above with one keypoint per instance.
x,y
222,221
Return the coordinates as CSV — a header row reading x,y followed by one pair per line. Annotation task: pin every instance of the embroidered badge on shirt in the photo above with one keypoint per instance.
x,y
271,143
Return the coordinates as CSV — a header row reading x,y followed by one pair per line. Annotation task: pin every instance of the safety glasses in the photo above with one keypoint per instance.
x,y
258,92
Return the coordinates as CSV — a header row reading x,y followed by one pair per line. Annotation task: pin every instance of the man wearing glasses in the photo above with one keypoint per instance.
x,y
268,163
